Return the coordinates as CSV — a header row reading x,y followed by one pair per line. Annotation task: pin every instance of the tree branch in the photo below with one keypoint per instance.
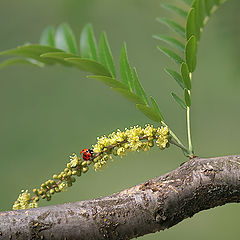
x,y
155,205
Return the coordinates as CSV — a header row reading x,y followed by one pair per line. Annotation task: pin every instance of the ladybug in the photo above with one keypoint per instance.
x,y
87,154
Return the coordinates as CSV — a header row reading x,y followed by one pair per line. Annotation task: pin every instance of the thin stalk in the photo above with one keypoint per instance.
x,y
189,131
190,146
185,150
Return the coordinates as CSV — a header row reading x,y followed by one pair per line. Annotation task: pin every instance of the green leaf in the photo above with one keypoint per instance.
x,y
187,97
191,53
175,9
105,55
197,5
15,61
171,41
47,37
32,51
173,25
176,76
171,54
138,87
179,101
149,112
200,12
88,47
59,57
111,82
89,65
190,25
185,75
65,39
156,108
125,70
129,95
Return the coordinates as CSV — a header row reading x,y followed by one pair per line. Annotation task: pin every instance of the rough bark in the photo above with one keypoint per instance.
x,y
155,205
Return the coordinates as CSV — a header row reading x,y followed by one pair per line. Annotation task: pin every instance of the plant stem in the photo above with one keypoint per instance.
x,y
185,150
190,146
189,131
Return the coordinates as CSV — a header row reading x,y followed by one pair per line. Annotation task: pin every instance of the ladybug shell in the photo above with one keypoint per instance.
x,y
87,154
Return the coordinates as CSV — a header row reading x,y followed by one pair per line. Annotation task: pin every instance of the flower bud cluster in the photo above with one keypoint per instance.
x,y
118,143
134,139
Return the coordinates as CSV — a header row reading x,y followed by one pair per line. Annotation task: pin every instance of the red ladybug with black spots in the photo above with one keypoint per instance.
x,y
87,154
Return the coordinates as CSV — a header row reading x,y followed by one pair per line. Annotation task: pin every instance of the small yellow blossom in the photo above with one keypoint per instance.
x,y
121,151
23,201
149,131
62,186
75,161
163,136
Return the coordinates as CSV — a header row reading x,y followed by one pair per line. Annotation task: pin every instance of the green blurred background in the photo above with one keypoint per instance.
x,y
46,114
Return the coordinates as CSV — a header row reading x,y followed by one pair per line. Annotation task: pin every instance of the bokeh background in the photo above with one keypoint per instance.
x,y
46,114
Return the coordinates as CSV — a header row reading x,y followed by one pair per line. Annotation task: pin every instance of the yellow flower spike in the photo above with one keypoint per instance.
x,y
117,143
